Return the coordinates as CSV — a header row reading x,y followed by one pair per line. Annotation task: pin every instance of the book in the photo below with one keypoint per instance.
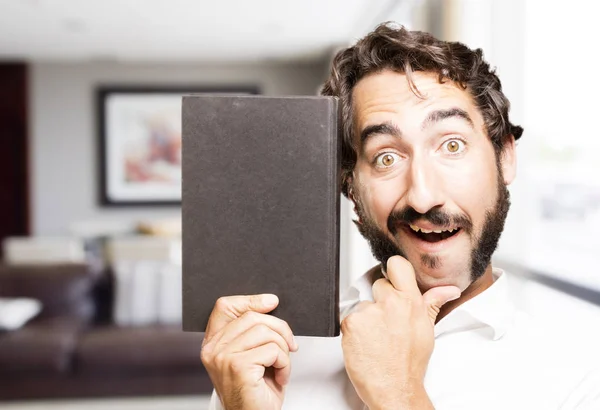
x,y
260,206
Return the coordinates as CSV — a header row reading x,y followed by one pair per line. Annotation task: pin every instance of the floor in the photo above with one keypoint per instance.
x,y
154,403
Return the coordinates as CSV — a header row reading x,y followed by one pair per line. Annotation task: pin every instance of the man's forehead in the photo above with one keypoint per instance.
x,y
388,92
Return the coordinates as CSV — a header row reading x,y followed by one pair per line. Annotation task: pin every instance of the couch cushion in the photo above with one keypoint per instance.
x,y
45,347
147,350
63,289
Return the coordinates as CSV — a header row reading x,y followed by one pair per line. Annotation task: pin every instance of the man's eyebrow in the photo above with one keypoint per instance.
x,y
440,115
385,128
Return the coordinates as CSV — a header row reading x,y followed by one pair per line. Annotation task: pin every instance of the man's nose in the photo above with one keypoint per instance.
x,y
424,186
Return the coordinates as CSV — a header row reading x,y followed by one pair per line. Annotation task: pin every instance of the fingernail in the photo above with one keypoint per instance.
x,y
296,347
270,300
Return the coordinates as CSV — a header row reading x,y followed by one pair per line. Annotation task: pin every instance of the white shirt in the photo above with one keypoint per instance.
x,y
487,355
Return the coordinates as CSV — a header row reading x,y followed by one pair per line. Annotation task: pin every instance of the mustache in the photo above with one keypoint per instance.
x,y
436,216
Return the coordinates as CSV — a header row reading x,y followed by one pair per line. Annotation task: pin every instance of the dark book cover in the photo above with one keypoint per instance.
x,y
261,202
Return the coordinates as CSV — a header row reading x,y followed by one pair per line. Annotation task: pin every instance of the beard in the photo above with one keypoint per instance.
x,y
484,245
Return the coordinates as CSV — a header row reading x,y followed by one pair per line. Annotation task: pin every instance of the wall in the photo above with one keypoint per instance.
x,y
64,137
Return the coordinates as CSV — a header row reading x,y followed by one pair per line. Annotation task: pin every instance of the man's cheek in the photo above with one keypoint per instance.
x,y
373,210
384,200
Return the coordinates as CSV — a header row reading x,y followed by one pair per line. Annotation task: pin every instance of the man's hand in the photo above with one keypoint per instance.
x,y
246,352
387,343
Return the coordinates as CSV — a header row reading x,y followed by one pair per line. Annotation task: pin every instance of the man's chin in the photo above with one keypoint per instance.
x,y
429,277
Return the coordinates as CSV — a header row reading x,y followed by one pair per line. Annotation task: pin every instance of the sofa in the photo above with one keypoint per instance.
x,y
72,348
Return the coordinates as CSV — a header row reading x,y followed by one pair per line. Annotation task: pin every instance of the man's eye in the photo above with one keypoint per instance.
x,y
454,146
386,159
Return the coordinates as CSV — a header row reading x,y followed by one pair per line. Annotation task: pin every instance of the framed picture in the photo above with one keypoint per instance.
x,y
140,142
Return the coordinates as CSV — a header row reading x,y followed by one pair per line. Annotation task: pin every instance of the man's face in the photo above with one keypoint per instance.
x,y
427,184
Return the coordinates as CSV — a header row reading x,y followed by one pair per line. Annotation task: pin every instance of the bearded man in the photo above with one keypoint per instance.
x,y
428,152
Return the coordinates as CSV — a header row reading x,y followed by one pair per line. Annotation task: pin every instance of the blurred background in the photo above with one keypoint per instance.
x,y
90,286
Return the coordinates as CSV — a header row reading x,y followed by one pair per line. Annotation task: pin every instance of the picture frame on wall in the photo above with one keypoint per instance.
x,y
140,142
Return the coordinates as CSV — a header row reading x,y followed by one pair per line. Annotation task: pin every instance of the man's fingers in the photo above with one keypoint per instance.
x,y
401,274
271,355
257,336
230,308
435,298
250,319
381,288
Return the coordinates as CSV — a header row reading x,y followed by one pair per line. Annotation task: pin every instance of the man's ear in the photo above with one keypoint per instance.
x,y
508,160
353,199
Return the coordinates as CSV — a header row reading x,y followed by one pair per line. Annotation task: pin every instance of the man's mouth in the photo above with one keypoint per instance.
x,y
434,234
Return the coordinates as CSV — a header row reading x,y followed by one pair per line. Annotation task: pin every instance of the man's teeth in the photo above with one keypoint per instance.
x,y
417,229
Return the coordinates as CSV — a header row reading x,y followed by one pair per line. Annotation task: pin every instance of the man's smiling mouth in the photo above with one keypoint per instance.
x,y
434,234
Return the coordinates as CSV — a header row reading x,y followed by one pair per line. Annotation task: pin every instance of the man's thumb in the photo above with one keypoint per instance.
x,y
435,298
258,303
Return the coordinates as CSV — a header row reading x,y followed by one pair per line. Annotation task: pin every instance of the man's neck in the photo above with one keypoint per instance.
x,y
475,288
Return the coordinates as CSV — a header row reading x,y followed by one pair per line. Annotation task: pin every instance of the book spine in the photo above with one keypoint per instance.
x,y
335,146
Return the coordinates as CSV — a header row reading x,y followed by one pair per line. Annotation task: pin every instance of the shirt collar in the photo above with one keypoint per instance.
x,y
492,308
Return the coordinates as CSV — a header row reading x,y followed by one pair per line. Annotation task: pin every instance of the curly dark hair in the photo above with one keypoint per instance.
x,y
395,48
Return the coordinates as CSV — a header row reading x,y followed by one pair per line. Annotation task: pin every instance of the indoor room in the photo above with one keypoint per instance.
x,y
91,224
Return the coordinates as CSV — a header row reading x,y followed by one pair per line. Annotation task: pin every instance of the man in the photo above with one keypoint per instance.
x,y
428,151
